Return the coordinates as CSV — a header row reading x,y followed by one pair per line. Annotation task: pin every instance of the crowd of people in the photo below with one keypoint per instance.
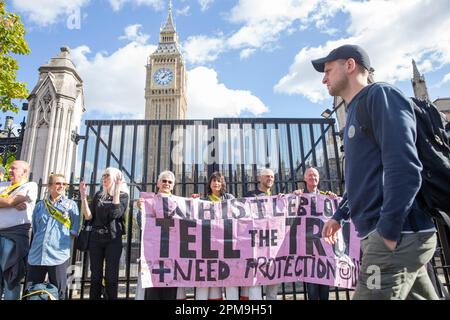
x,y
382,180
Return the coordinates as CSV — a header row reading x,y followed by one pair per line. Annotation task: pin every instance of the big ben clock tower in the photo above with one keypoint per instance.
x,y
165,86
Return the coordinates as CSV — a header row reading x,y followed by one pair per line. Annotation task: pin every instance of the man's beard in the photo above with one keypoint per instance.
x,y
338,87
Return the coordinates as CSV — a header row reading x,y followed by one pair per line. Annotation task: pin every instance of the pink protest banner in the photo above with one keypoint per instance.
x,y
244,242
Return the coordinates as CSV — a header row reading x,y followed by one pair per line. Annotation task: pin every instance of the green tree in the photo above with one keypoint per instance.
x,y
12,41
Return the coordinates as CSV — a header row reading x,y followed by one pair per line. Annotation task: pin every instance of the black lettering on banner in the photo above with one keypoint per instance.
x,y
161,270
238,204
178,270
293,223
198,270
301,210
321,269
287,266
224,207
328,207
262,265
210,270
253,237
314,207
228,251
342,247
205,206
224,270
298,270
278,261
260,208
292,203
188,213
313,267
177,211
264,237
271,269
207,253
274,205
273,237
331,269
314,238
251,264
186,238
165,225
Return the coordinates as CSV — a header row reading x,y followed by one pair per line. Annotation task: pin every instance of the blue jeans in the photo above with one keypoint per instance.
x,y
6,246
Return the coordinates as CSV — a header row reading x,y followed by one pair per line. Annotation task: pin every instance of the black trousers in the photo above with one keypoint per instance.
x,y
317,291
57,275
104,252
167,293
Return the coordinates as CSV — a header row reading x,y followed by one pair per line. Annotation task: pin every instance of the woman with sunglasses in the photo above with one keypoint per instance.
x,y
55,222
165,185
217,192
107,215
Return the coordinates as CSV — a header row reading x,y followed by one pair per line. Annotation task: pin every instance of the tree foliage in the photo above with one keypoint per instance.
x,y
12,41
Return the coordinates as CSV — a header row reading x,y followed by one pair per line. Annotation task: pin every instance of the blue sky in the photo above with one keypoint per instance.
x,y
246,58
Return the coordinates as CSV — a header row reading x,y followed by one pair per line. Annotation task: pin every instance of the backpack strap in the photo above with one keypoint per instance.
x,y
362,115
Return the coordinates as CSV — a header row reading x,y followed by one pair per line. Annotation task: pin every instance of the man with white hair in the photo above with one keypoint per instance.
x,y
266,179
16,207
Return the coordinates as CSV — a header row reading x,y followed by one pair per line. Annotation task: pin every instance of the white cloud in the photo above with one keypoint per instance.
x,y
207,98
262,23
444,80
114,84
200,49
246,53
117,5
132,33
204,4
184,11
392,32
46,12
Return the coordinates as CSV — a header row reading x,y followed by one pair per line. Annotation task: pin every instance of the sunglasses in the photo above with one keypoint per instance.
x,y
166,181
106,175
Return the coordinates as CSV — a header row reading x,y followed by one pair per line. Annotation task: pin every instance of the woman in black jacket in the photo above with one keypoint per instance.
x,y
107,213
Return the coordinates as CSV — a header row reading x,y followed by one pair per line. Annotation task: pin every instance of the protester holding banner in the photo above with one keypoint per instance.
x,y
382,180
217,192
266,180
165,185
107,213
312,178
56,220
16,207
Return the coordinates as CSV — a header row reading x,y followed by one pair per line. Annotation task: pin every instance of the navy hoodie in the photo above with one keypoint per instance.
x,y
382,179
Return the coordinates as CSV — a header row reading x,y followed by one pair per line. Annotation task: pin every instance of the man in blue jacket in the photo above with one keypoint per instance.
x,y
382,177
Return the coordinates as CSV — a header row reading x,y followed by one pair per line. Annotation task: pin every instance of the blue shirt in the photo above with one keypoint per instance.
x,y
382,179
52,240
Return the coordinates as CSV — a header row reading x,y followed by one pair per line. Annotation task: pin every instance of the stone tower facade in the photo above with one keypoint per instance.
x,y
418,83
56,106
165,99
165,86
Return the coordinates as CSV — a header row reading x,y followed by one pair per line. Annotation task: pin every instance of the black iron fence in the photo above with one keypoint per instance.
x,y
193,150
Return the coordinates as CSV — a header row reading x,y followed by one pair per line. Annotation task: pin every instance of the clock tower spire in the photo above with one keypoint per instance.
x,y
165,86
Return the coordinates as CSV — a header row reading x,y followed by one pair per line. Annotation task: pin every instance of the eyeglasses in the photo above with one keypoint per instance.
x,y
167,181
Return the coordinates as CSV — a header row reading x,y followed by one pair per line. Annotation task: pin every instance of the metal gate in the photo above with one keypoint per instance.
x,y
193,150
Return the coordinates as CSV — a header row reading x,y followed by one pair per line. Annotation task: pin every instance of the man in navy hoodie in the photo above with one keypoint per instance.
x,y
382,179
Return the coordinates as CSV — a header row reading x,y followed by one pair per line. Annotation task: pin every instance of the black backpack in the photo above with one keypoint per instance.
x,y
433,148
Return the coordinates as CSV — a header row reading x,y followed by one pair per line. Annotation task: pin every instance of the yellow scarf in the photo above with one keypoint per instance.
x,y
268,193
214,198
10,189
57,214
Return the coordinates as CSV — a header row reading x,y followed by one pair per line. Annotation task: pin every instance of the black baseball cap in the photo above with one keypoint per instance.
x,y
346,51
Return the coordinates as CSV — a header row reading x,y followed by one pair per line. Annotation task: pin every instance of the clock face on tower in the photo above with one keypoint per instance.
x,y
163,76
